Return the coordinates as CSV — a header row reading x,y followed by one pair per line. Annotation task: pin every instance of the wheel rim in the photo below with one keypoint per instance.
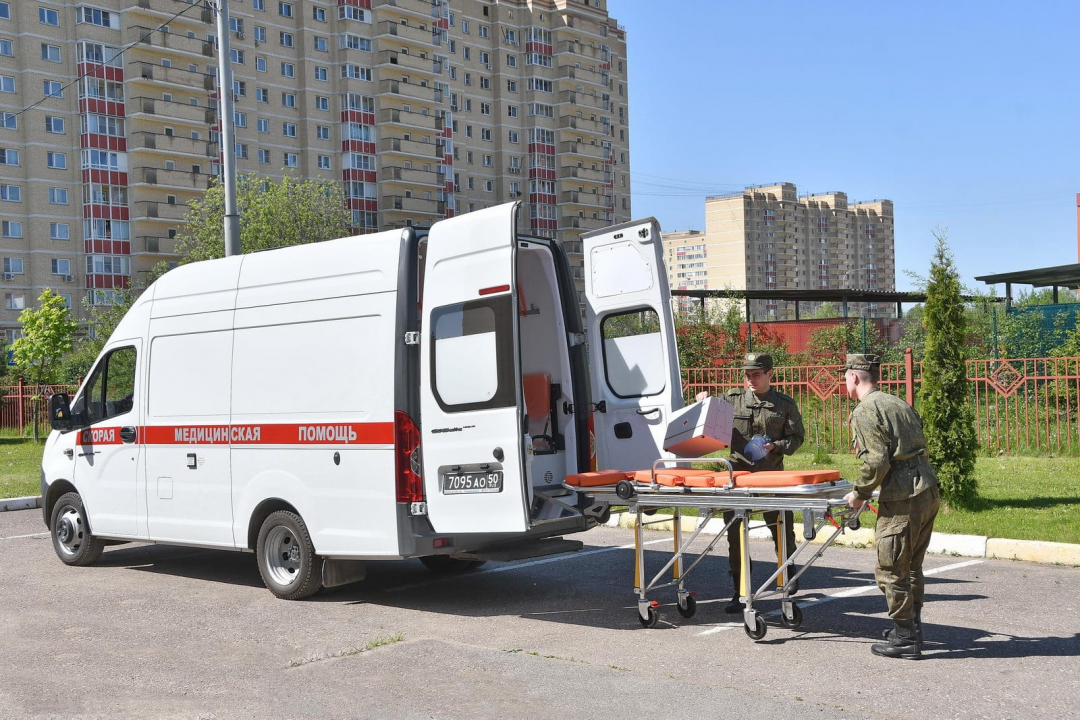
x,y
69,531
281,555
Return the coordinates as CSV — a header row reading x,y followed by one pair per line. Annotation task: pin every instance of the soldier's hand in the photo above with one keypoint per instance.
x,y
769,447
853,500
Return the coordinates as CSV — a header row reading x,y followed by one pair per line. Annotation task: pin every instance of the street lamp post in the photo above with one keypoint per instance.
x,y
228,144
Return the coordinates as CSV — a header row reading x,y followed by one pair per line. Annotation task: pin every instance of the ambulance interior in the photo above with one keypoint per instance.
x,y
546,381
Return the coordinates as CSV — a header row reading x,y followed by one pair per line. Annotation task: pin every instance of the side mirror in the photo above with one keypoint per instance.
x,y
60,411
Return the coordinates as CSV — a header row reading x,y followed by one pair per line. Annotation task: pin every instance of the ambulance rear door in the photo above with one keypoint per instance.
x,y
633,358
472,442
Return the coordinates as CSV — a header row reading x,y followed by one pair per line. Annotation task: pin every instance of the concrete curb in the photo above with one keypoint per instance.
x,y
977,546
23,503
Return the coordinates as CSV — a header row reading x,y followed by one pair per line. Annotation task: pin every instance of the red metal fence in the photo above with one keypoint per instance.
x,y
1020,405
17,406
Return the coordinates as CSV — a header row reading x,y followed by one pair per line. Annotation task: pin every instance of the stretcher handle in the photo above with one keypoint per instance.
x,y
731,471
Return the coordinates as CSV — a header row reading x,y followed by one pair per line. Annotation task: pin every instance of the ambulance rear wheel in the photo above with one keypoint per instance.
x,y
71,537
446,565
651,619
287,561
758,631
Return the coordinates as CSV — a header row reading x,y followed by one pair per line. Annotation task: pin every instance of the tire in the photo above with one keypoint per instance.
x,y
624,489
651,621
71,537
758,631
690,609
796,617
287,561
446,565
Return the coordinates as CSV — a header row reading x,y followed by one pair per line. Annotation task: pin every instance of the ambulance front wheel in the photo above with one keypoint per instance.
x,y
287,560
71,537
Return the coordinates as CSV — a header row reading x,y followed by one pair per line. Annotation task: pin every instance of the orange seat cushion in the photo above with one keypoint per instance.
x,y
786,478
712,479
596,479
537,391
671,477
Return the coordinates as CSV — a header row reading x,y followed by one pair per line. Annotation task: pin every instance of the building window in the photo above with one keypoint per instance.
x,y
511,86
264,157
321,44
240,119
321,74
260,64
12,229
239,89
61,266
485,134
54,88
260,34
263,125
57,160
7,84
511,111
484,30
324,162
58,196
350,12
9,121
355,71
511,60
258,4
10,193
322,103
262,95
288,70
237,56
14,301
288,129
9,157
485,108
512,136
290,160
323,132
288,100
318,14
5,11
48,17
349,41
488,162
485,82
285,9
50,52
241,151
6,48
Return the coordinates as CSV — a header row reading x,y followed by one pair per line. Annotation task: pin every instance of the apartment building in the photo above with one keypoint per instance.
x,y
771,238
423,109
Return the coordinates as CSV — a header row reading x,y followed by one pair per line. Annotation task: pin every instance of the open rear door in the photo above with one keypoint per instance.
x,y
471,425
633,359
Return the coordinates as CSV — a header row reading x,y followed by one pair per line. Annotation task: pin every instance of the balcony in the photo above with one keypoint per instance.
x,y
147,36
578,74
392,116
171,143
577,123
585,175
594,102
155,245
585,150
168,8
405,61
428,151
177,77
410,176
594,200
406,7
408,90
179,179
400,203
150,209
586,51
581,223
414,33
167,110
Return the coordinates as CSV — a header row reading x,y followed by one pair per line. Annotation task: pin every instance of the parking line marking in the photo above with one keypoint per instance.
x,y
31,535
505,568
850,592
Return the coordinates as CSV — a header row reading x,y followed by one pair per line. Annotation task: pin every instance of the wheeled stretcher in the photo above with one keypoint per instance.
x,y
817,494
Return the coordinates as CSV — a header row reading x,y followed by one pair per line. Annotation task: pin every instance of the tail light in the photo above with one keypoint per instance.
x,y
410,486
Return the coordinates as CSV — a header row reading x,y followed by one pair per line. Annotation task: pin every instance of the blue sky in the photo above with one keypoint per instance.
x,y
964,114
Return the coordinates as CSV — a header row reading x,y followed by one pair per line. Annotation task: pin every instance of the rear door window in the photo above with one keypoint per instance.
x,y
472,352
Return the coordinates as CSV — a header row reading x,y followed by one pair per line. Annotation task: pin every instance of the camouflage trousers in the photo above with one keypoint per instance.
x,y
902,536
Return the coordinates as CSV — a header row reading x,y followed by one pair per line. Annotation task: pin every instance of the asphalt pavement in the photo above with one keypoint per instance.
x,y
173,632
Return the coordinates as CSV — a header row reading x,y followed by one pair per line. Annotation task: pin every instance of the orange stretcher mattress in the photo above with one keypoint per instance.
x,y
597,478
671,477
712,479
786,478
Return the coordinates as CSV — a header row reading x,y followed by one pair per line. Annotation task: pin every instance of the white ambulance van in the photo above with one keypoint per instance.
x,y
385,396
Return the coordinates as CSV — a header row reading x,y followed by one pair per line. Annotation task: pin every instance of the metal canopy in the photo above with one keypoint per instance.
x,y
881,296
1060,276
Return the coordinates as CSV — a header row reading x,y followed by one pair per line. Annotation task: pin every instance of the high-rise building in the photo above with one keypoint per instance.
x,y
770,238
423,109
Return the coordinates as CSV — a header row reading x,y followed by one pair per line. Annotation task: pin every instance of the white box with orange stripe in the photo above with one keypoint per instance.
x,y
405,394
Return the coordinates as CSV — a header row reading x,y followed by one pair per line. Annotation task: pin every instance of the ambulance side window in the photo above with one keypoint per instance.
x,y
634,353
472,355
110,391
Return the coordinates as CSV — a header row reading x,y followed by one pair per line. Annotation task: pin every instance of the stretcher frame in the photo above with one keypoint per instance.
x,y
820,503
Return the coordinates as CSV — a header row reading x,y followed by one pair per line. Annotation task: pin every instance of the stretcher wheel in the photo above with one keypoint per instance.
x,y
758,631
624,489
603,517
690,609
854,523
796,617
650,621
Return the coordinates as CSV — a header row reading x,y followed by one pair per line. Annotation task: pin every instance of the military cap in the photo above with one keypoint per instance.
x,y
860,361
757,361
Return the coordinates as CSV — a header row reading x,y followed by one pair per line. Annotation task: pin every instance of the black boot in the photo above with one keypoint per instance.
x,y
889,632
903,643
735,606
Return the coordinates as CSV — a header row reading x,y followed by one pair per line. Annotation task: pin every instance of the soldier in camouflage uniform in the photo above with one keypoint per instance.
x,y
760,410
890,442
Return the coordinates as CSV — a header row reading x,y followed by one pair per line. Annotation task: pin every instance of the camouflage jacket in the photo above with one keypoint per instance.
x,y
774,414
890,442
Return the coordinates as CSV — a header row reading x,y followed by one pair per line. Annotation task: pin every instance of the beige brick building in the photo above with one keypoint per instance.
x,y
771,238
423,109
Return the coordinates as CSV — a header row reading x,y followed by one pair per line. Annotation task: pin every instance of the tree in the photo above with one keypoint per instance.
x,y
949,422
272,215
47,336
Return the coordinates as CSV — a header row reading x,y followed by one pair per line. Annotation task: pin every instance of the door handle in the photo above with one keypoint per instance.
x,y
88,454
69,453
128,434
648,412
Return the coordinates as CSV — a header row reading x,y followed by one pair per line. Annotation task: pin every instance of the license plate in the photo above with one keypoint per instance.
x,y
472,482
